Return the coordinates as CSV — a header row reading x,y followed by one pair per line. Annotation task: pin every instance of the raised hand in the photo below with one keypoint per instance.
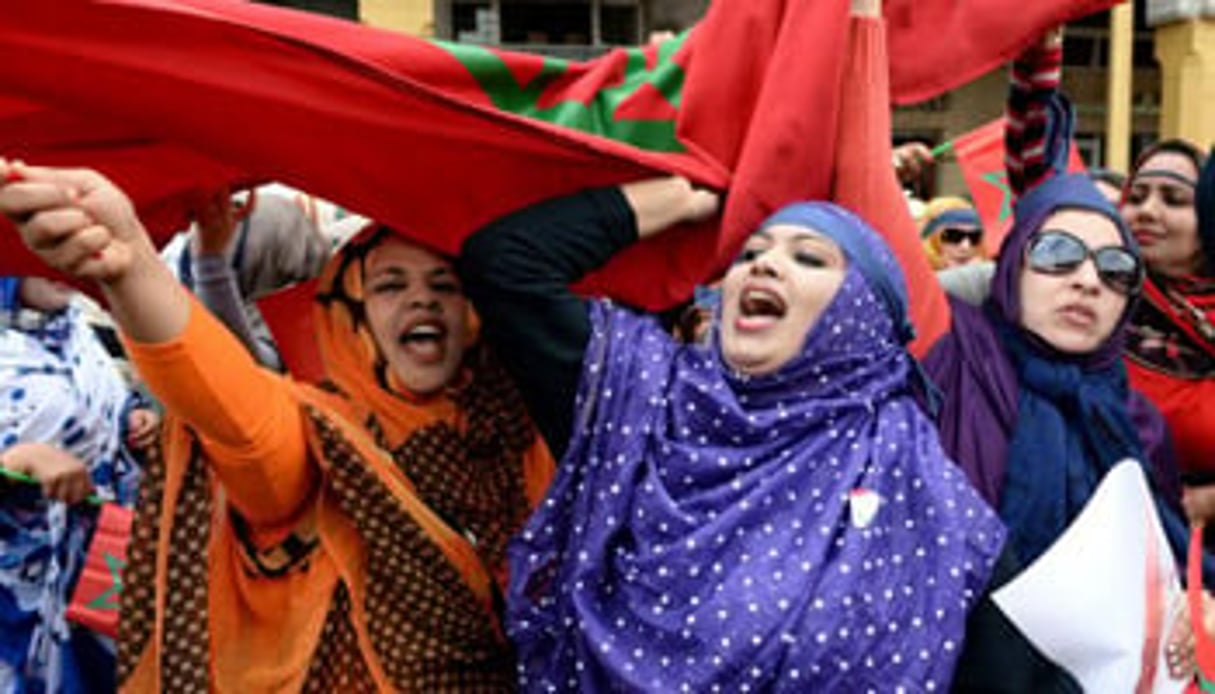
x,y
1199,503
142,426
911,160
216,220
866,8
76,220
80,223
63,476
661,203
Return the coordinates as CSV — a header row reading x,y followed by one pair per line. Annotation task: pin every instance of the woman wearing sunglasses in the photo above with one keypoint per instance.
x,y
1036,406
952,233
1171,345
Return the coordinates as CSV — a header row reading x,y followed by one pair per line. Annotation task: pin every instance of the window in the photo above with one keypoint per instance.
x,y
563,24
1084,50
619,25
546,23
347,9
1091,147
465,16
1145,51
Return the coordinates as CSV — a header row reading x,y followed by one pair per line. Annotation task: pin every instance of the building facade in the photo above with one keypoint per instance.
x,y
1087,52
576,30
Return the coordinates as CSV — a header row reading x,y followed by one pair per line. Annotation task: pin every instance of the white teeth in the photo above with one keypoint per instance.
x,y
762,294
424,331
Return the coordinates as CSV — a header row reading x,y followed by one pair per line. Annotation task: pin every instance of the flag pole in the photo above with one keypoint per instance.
x,y
19,477
942,149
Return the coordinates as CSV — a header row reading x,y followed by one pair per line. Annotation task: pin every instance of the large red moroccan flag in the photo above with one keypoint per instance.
x,y
980,155
436,139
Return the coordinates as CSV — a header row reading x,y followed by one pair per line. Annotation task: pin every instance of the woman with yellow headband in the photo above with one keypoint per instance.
x,y
952,233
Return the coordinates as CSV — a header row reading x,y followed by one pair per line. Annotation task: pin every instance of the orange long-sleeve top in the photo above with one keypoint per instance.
x,y
248,419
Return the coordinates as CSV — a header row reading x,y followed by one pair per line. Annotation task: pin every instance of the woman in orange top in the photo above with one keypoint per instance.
x,y
294,538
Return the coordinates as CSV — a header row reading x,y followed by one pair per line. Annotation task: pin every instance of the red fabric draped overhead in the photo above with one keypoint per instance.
x,y
169,95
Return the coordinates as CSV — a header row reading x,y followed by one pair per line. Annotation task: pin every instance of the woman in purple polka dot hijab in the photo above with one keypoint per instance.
x,y
770,511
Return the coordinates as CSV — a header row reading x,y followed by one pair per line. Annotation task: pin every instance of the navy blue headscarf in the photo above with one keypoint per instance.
x,y
1037,429
1073,423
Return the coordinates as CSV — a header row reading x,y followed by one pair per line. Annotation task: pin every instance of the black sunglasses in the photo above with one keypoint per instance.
x,y
1055,252
954,235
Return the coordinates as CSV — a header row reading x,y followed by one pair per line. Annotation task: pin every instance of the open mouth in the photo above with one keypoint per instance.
x,y
425,341
759,308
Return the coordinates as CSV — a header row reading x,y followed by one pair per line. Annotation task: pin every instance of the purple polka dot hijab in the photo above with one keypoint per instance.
x,y
797,531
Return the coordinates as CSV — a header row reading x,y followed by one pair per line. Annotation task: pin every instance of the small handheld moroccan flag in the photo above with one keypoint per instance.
x,y
1204,650
980,154
95,600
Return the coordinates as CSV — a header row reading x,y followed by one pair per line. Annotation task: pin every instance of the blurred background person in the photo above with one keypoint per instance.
x,y
952,233
242,249
69,421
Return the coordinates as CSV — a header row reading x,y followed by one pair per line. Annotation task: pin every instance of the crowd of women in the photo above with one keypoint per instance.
x,y
502,484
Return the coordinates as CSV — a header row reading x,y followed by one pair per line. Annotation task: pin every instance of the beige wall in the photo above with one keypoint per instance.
x,y
1187,52
409,16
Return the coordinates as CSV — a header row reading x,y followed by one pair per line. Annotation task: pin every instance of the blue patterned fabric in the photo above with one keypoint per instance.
x,y
57,385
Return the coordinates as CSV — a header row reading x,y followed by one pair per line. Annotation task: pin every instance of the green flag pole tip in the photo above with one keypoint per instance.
x,y
19,477
942,149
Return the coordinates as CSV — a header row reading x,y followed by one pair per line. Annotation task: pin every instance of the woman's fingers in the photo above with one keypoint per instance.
x,y
22,199
70,487
143,428
1199,503
68,483
52,229
702,204
68,240
1182,665
63,233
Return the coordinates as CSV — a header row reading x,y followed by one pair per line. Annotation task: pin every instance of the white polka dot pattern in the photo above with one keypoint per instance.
x,y
699,535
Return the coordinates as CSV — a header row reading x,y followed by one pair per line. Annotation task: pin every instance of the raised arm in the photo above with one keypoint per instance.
x,y
864,179
246,418
1037,128
216,287
215,282
517,272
